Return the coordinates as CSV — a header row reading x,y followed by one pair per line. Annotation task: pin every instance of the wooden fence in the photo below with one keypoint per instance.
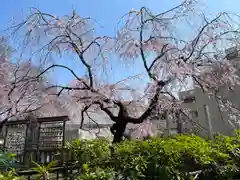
x,y
65,172
70,172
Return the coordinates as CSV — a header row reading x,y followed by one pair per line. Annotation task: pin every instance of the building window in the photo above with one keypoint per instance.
x,y
189,99
194,114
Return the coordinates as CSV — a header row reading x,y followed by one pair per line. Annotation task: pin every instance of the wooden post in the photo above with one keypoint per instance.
x,y
63,141
209,121
5,137
25,149
38,156
179,123
168,128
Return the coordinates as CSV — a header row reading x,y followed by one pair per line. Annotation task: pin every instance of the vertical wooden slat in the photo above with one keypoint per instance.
x,y
45,157
50,156
63,142
209,121
5,138
57,175
38,156
25,155
179,123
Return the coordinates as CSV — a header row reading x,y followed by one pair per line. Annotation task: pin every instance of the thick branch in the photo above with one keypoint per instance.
x,y
122,109
62,88
82,114
107,111
69,69
80,55
158,57
141,49
152,105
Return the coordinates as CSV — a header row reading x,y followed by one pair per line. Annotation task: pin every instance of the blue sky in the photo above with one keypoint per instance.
x,y
107,12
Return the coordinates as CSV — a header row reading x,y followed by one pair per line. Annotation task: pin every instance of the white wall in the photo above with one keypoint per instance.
x,y
218,121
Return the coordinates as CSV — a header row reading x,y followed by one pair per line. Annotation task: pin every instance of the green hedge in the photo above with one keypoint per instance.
x,y
160,158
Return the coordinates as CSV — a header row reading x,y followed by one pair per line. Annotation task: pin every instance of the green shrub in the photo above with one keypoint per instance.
x,y
7,160
168,158
94,151
158,158
98,173
10,175
163,157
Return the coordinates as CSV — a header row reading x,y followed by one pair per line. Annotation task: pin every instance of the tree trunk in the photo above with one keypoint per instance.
x,y
119,129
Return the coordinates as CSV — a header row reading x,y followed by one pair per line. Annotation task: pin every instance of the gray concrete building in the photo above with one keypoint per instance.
x,y
205,109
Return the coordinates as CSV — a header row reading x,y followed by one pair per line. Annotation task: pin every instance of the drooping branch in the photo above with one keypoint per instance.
x,y
141,48
70,70
199,35
62,88
160,15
